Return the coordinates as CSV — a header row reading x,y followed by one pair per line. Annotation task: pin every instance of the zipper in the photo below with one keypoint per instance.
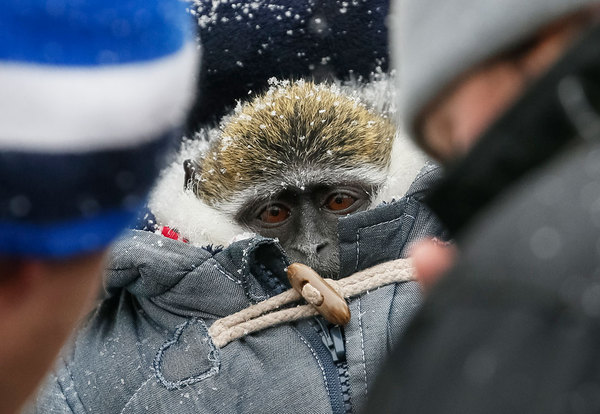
x,y
327,343
316,332
332,337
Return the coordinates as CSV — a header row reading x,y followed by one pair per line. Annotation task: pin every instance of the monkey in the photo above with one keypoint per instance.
x,y
287,165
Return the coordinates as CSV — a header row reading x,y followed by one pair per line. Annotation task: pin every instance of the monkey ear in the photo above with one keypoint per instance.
x,y
191,168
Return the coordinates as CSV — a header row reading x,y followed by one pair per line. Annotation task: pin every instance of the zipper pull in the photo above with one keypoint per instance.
x,y
333,338
337,337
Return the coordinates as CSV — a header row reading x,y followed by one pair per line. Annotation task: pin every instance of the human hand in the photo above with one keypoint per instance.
x,y
431,259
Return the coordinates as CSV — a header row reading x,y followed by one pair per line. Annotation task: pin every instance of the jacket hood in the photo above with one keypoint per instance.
x,y
167,273
204,224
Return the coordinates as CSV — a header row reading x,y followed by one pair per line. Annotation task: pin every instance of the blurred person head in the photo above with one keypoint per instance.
x,y
91,94
463,63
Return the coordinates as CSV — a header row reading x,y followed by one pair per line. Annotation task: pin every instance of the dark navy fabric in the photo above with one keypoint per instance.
x,y
246,43
97,32
145,220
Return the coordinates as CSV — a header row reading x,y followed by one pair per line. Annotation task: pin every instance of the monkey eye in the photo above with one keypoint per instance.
x,y
274,214
339,202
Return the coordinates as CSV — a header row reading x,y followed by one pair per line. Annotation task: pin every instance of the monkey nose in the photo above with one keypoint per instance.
x,y
311,250
320,246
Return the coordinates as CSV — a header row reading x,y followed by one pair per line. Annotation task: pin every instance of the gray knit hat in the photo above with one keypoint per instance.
x,y
433,42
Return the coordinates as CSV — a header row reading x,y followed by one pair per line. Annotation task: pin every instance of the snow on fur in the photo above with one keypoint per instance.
x,y
211,222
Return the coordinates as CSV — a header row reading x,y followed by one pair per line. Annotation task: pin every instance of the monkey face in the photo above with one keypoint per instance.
x,y
289,163
305,221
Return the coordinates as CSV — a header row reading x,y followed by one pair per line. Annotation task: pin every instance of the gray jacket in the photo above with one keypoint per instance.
x,y
146,348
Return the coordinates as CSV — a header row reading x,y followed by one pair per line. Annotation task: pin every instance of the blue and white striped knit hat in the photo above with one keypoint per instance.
x,y
90,94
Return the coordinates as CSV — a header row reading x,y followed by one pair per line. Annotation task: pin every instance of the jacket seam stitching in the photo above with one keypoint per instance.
x,y
221,269
362,344
62,389
213,356
314,354
410,202
135,393
389,316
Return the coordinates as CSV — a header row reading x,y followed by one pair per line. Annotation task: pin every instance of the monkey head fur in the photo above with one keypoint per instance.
x,y
300,149
291,136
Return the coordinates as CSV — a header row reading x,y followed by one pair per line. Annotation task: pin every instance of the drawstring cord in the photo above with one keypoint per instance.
x,y
266,314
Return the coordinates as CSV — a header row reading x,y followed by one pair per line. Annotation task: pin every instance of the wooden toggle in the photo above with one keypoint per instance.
x,y
328,302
